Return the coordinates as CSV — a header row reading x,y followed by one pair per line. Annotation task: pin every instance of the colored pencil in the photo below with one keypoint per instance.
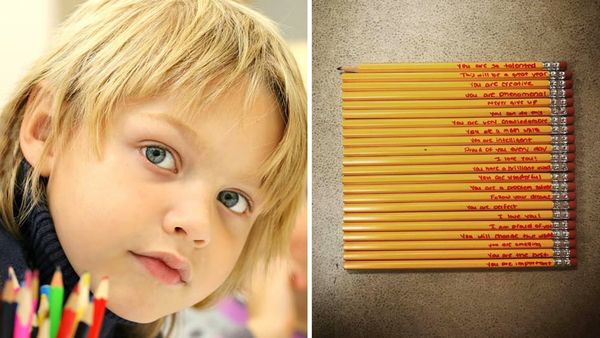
x,y
456,85
350,199
83,327
457,235
483,168
459,158
459,187
44,330
42,312
456,76
475,178
467,264
458,150
56,302
480,140
9,307
462,245
459,216
522,112
22,324
459,104
12,275
459,225
464,94
100,298
457,254
455,66
35,328
459,131
68,322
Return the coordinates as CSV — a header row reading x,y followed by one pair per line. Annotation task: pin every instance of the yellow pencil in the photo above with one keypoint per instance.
x,y
465,94
457,254
501,187
393,207
458,131
463,264
458,150
454,244
460,225
456,178
457,235
455,66
457,85
457,76
521,112
457,140
456,122
499,215
458,104
463,158
458,168
454,197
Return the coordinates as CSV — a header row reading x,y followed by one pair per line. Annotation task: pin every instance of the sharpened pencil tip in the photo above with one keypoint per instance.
x,y
339,68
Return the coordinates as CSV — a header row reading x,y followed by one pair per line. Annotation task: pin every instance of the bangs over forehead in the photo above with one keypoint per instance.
x,y
189,50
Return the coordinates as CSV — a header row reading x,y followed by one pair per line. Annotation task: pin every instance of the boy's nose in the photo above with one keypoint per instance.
x,y
191,217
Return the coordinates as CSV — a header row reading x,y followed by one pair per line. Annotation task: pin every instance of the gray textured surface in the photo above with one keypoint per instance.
x,y
448,304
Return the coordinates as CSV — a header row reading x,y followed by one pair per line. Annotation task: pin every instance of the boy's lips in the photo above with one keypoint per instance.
x,y
167,267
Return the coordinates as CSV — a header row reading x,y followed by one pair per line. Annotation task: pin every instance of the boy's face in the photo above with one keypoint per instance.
x,y
166,211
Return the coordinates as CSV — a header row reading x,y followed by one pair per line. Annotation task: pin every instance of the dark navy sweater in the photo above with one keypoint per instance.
x,y
40,249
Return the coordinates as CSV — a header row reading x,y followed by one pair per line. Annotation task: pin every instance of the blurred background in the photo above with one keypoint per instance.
x,y
27,27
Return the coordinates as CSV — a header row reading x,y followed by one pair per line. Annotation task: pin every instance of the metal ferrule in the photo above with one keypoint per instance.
x,y
554,111
557,84
558,102
561,244
552,66
559,139
558,120
557,75
560,148
560,234
560,186
557,92
560,213
560,225
561,205
562,262
559,177
558,158
559,129
559,167
561,253
560,196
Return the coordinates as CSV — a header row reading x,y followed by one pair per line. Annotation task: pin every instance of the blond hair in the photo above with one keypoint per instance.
x,y
193,50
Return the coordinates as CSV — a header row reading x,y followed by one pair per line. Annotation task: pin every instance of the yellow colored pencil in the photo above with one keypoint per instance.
x,y
457,206
457,235
459,225
456,178
456,85
458,104
521,112
456,254
500,187
458,131
465,94
454,244
456,76
454,197
458,150
480,140
495,66
463,158
458,168
457,122
499,215
463,264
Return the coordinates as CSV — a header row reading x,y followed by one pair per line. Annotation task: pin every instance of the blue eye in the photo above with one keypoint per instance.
x,y
160,157
234,201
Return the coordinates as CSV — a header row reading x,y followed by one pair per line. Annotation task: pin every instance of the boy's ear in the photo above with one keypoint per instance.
x,y
35,129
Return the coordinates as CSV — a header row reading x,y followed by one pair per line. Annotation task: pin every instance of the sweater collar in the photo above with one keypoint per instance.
x,y
44,250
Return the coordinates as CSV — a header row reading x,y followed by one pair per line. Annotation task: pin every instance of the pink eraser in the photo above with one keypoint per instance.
x,y
568,84
570,119
570,138
572,204
568,74
570,157
568,92
573,261
570,110
571,195
570,166
571,224
572,214
570,176
572,243
571,147
571,186
570,129
562,65
572,253
569,101
572,234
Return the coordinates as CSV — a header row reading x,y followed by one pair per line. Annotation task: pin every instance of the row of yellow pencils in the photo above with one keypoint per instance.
x,y
24,317
458,165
